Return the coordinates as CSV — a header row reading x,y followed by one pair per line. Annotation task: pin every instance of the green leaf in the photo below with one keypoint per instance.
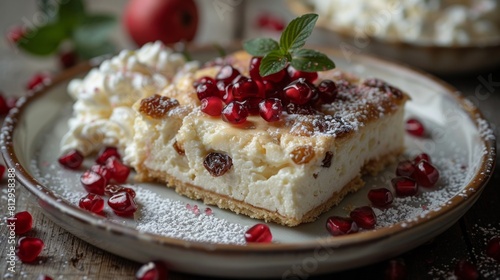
x,y
298,30
94,29
48,8
272,63
260,46
311,61
71,13
44,40
91,51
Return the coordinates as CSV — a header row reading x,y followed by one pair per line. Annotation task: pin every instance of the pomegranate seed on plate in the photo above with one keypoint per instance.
x,y
155,270
101,170
119,171
464,270
227,74
396,270
259,233
72,159
296,74
415,127
380,197
111,189
299,91
106,153
23,222
340,226
270,109
122,204
422,156
364,217
207,89
212,106
327,91
208,211
28,248
37,80
426,174
404,186
493,248
93,182
235,113
405,168
92,202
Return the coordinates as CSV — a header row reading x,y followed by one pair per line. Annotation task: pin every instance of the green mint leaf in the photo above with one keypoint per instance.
x,y
260,46
94,29
311,61
70,14
44,40
295,34
272,63
48,8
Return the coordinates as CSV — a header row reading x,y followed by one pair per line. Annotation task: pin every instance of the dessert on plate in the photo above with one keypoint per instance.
x,y
283,147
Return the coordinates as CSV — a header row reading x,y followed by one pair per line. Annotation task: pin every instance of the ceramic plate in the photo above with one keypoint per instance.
x,y
168,227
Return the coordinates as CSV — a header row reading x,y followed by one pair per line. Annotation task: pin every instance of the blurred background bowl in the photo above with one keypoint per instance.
x,y
438,59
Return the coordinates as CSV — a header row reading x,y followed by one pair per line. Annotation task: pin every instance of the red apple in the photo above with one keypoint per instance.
x,y
169,21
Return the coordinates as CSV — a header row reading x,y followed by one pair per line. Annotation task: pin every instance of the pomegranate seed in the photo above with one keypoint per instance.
x,y
396,270
217,164
254,68
364,217
295,74
44,277
270,22
380,197
4,108
270,109
196,210
101,170
415,127
252,105
426,174
72,159
493,248
122,204
155,270
464,270
67,59
16,33
340,226
119,171
227,94
227,74
106,153
11,102
298,91
205,90
422,156
2,171
327,91
405,168
203,80
235,113
37,80
208,211
246,88
212,106
23,222
92,202
111,189
404,186
259,233
276,77
28,248
93,182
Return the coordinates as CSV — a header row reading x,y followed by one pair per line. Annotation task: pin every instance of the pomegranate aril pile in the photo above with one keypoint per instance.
x,y
234,96
259,233
72,159
23,222
28,248
155,270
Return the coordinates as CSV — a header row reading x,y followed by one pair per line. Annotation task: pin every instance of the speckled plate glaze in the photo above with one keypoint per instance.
x,y
460,142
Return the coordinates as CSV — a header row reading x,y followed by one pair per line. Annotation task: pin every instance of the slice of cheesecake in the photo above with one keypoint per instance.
x,y
288,171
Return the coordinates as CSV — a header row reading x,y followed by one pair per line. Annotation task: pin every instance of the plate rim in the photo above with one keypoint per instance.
x,y
472,188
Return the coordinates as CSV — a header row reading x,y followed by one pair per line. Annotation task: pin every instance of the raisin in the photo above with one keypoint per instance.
x,y
179,149
327,161
217,164
157,106
302,154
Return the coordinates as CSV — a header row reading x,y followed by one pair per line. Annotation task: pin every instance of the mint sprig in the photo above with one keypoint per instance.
x,y
276,56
